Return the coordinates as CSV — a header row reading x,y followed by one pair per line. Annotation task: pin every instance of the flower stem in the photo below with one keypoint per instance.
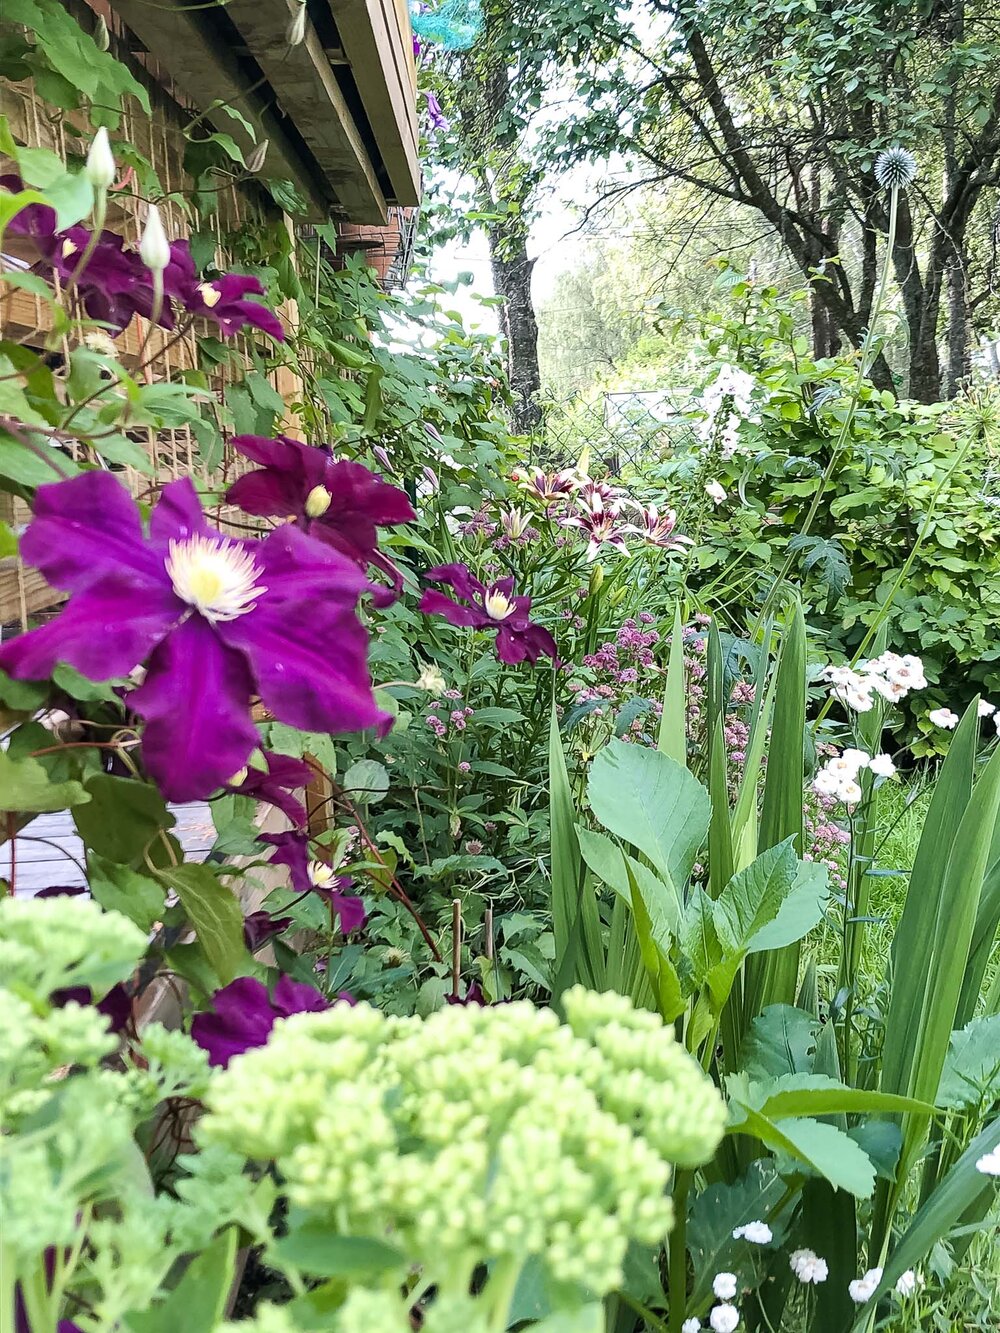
x,y
677,1254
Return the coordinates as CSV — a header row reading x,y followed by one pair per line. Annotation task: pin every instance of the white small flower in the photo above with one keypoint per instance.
x,y
154,248
808,1266
862,1289
826,783
943,717
715,492
842,675
882,766
100,169
725,1286
989,1165
850,793
855,759
724,1318
909,1283
691,1326
986,709
755,1233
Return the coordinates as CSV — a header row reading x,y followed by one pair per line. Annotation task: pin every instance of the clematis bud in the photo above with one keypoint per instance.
x,y
154,249
317,502
100,169
238,778
102,38
255,162
295,34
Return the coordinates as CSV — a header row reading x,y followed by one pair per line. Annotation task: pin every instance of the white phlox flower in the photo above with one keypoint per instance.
x,y
943,717
862,1289
755,1233
808,1267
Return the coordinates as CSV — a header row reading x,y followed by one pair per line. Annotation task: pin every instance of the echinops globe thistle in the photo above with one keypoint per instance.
x,y
895,168
478,1134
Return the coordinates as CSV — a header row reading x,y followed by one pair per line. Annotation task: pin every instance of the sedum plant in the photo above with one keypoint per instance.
x,y
482,1141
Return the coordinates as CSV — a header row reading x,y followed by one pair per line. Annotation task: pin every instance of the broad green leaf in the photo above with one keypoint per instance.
x,y
366,781
26,787
661,972
698,940
72,196
122,818
215,914
971,1071
801,910
652,802
781,1040
817,1095
315,1248
751,900
715,1214
121,889
198,1302
825,1149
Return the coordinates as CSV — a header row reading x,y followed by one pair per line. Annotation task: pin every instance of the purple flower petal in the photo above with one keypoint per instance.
x,y
460,577
103,632
306,647
284,776
297,997
292,851
84,528
243,1018
194,699
350,912
259,927
434,603
178,514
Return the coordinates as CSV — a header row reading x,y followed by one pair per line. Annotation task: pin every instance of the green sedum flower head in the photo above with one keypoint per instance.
x,y
477,1134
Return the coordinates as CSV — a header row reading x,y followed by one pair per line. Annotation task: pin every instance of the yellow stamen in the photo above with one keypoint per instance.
x,y
214,575
209,294
317,502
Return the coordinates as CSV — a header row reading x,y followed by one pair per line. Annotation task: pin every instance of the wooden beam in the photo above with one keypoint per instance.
x,y
206,72
378,42
310,96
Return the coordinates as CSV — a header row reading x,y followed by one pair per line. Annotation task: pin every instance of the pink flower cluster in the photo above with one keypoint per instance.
x,y
456,720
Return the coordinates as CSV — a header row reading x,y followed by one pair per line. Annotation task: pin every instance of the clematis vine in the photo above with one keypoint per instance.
x,y
277,784
336,500
497,607
243,1014
217,622
311,876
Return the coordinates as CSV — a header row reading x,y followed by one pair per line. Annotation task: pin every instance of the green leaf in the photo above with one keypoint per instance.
x,y
971,1072
120,889
198,1302
672,739
818,1095
315,1248
366,781
11,204
72,196
649,800
579,953
803,908
613,866
122,818
8,541
781,1040
716,1213
823,1148
587,1319
215,914
751,900
26,787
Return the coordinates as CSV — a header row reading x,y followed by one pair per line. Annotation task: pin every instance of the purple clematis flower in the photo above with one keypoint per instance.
x,y
439,121
339,501
244,1014
474,994
311,876
496,607
259,927
276,785
222,300
116,1005
218,620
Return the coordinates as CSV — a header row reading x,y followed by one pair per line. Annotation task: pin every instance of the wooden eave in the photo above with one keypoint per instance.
x,y
339,109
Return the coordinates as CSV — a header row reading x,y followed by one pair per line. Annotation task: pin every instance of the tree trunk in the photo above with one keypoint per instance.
x,y
959,365
512,280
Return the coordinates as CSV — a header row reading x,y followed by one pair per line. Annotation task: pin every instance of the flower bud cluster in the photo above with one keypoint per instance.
x,y
490,1134
48,944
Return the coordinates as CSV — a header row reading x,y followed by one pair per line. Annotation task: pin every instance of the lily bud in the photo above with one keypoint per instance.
x,y
317,502
255,161
295,34
596,579
154,248
102,38
100,169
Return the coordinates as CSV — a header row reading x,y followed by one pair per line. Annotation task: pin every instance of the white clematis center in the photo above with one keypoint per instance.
x,y
209,294
498,605
215,576
318,502
69,248
321,876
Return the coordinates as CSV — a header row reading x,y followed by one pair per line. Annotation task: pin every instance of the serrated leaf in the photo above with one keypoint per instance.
x,y
214,912
26,787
